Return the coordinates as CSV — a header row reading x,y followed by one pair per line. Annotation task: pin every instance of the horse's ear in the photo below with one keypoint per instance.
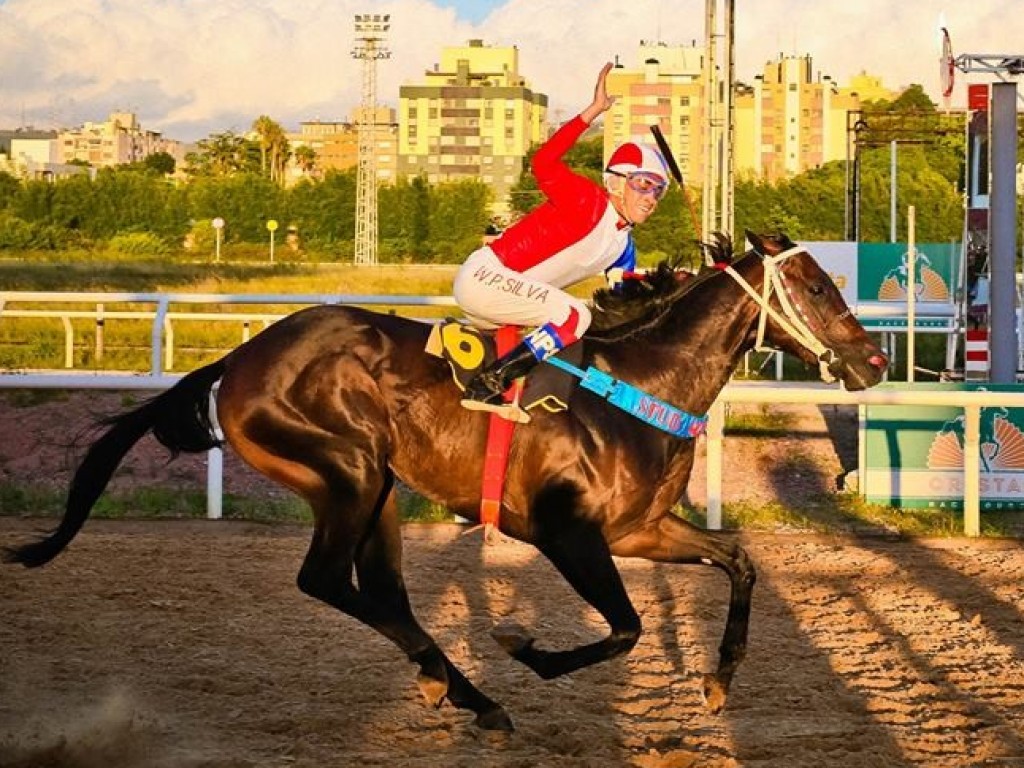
x,y
784,242
755,240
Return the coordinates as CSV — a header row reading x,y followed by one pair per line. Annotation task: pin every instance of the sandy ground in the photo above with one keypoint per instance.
x,y
180,643
187,644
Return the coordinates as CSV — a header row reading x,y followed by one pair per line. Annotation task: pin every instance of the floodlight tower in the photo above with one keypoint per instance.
x,y
371,30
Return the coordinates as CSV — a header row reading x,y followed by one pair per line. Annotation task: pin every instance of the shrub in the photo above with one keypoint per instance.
x,y
137,244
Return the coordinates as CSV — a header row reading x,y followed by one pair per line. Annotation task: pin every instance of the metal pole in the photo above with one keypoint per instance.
x,y
728,180
846,208
1002,286
911,289
856,193
972,470
892,191
715,434
710,192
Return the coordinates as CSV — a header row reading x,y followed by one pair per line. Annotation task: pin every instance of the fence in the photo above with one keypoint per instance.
x,y
753,392
162,317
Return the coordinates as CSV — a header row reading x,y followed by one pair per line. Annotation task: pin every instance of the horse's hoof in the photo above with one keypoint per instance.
x,y
512,637
496,720
434,690
715,693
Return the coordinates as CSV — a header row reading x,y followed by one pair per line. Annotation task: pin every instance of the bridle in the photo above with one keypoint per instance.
x,y
794,321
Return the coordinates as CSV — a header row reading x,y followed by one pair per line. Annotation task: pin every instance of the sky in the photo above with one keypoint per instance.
x,y
189,68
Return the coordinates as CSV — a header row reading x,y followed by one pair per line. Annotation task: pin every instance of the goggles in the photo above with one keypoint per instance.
x,y
645,183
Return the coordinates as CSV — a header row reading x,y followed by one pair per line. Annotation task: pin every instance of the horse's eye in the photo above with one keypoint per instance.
x,y
817,289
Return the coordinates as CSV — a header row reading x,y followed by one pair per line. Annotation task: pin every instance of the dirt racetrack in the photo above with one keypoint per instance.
x,y
187,644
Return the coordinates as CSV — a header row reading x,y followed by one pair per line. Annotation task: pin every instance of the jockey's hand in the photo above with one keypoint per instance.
x,y
602,101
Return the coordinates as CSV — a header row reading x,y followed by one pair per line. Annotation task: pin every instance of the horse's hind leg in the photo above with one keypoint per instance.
x,y
673,540
378,567
380,600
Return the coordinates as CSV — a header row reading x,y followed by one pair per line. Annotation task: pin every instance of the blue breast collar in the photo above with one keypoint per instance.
x,y
648,408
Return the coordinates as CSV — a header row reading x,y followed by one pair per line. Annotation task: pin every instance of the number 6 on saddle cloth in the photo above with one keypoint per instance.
x,y
469,350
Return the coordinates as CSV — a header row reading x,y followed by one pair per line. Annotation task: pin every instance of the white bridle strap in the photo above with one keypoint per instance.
x,y
793,323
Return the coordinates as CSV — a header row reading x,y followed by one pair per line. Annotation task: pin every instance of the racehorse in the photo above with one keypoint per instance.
x,y
337,402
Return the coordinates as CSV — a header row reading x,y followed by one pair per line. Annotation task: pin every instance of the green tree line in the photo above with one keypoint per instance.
x,y
240,180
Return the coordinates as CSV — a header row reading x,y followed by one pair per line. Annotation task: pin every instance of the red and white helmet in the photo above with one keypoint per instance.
x,y
633,157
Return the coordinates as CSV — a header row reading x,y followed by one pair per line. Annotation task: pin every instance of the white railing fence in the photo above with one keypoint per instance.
x,y
752,392
162,317
67,307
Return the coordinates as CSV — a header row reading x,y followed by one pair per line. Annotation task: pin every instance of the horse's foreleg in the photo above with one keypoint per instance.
x,y
581,555
673,540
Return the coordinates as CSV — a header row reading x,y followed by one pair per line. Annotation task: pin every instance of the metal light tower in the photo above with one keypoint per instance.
x,y
369,47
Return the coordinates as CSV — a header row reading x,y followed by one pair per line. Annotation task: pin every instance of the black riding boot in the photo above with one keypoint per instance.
x,y
485,391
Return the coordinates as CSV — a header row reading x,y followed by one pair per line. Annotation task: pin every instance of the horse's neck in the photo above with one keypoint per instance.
x,y
704,338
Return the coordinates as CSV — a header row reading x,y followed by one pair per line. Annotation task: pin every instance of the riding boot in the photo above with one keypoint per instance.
x,y
486,390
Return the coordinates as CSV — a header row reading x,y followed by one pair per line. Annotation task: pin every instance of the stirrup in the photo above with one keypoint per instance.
x,y
508,411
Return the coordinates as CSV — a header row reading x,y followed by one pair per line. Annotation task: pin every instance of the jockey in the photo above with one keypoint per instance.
x,y
582,229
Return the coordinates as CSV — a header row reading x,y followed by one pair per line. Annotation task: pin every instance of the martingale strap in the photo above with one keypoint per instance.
x,y
648,408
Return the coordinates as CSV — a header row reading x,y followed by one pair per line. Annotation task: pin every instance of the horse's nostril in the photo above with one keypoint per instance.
x,y
880,362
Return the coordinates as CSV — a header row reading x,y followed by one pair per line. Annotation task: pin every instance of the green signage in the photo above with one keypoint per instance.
x,y
882,271
913,456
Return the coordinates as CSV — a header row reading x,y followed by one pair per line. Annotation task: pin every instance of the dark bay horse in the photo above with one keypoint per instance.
x,y
336,403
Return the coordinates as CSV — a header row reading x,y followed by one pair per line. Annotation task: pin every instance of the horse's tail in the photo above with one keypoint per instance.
x,y
179,418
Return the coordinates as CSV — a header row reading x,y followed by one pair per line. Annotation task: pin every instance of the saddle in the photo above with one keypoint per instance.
x,y
468,350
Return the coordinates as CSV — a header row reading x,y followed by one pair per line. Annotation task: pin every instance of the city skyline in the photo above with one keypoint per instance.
x,y
190,68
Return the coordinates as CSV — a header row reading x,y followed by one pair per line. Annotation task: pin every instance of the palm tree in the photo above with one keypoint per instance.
x,y
305,156
265,129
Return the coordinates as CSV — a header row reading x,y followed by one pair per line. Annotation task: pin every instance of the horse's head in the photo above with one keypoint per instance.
x,y
809,317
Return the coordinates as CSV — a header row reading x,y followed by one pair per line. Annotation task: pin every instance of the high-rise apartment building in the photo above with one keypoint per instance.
x,y
790,120
665,89
787,122
473,117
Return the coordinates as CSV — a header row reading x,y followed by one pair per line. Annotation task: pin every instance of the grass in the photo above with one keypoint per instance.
x,y
156,502
767,422
840,513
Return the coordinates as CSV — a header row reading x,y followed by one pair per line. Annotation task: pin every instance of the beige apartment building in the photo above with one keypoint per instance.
x,y
118,140
473,117
791,120
665,89
336,145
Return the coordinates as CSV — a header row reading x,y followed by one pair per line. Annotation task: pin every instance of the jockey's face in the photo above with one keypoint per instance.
x,y
636,197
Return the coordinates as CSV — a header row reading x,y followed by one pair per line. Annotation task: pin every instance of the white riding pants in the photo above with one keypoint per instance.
x,y
492,295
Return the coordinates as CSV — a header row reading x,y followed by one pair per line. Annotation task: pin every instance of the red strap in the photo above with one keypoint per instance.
x,y
499,440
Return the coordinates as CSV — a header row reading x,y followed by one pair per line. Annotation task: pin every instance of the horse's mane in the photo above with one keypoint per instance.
x,y
641,304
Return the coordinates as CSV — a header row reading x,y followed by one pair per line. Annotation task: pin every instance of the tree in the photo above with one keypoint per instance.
x,y
244,200
9,186
273,144
160,162
306,157
222,154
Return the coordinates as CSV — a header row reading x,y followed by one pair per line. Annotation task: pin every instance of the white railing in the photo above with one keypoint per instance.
x,y
163,317
162,339
756,392
753,392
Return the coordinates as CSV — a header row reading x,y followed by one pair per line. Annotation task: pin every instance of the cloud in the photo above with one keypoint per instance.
x,y
191,67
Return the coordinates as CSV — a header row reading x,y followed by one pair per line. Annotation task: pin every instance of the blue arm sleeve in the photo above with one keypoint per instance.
x,y
627,259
